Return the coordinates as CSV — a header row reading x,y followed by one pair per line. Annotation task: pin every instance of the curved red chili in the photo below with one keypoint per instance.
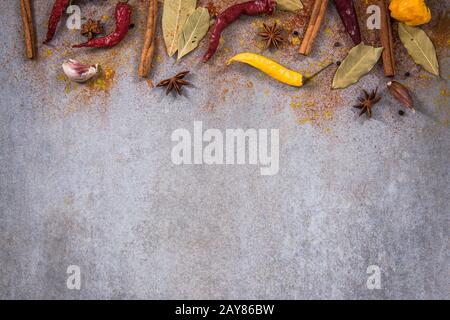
x,y
123,17
250,8
58,9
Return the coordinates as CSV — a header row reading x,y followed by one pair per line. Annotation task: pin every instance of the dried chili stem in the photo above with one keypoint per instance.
x,y
149,40
317,73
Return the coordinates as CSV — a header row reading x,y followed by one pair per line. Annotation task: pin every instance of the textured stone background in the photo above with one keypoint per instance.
x,y
86,176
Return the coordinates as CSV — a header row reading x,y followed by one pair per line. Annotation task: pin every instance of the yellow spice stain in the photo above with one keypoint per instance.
x,y
328,115
61,77
425,77
103,82
445,93
295,41
48,52
304,120
296,104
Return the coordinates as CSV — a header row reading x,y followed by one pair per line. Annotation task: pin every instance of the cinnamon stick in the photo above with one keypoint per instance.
x,y
149,40
28,28
386,39
315,22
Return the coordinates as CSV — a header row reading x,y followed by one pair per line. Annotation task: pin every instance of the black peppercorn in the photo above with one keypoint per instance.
x,y
401,112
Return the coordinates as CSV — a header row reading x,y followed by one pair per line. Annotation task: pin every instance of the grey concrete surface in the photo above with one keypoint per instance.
x,y
86,177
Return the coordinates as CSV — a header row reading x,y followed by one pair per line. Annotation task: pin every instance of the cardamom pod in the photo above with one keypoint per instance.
x,y
401,93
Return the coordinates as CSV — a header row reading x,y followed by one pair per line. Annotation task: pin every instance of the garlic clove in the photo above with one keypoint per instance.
x,y
79,72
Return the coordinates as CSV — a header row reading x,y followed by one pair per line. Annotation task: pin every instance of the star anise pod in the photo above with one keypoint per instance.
x,y
175,83
272,35
91,28
367,102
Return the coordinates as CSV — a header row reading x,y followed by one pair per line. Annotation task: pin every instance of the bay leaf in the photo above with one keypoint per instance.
x,y
193,31
419,47
289,5
175,14
359,61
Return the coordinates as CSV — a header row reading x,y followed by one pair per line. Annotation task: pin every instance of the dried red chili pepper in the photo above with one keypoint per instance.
x,y
58,9
347,12
250,8
123,17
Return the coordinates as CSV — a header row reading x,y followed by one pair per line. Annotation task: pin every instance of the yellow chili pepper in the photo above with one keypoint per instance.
x,y
411,12
270,68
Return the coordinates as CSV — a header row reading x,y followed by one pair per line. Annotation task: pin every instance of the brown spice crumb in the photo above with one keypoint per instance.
x,y
212,9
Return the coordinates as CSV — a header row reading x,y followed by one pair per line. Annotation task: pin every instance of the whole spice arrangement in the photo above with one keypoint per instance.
x,y
59,7
123,17
315,22
250,8
149,40
401,93
184,25
272,36
367,101
347,12
91,28
28,28
175,83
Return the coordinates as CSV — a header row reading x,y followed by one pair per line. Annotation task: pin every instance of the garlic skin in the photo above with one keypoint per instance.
x,y
79,72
